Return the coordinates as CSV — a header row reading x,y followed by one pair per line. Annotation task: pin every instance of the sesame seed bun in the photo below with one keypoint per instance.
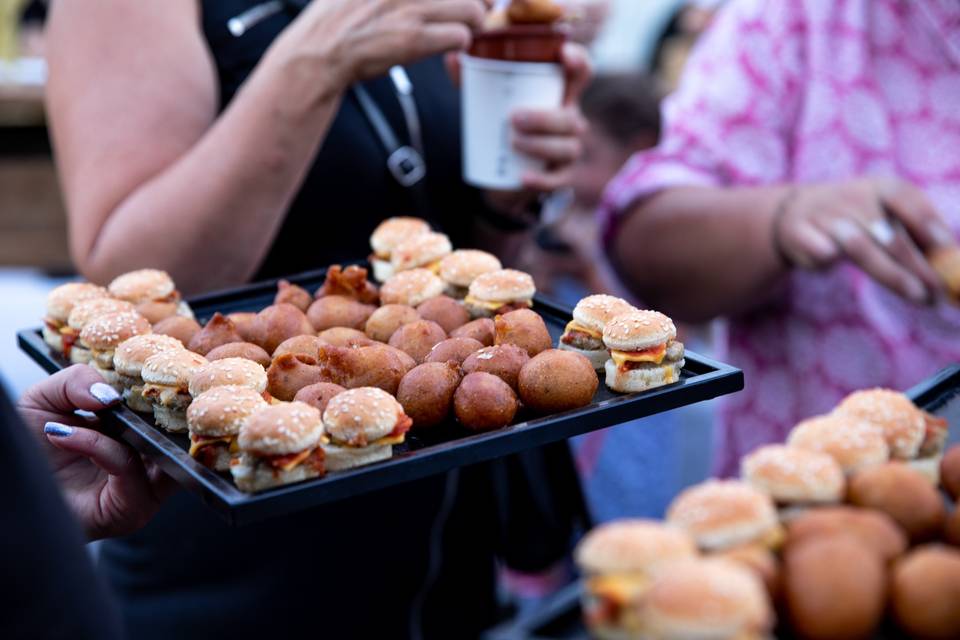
x,y
83,312
129,357
228,371
721,514
901,422
638,330
394,231
171,368
60,301
221,411
505,285
142,285
343,458
790,474
411,287
632,546
594,312
420,251
106,332
642,379
360,416
463,266
854,444
707,599
282,429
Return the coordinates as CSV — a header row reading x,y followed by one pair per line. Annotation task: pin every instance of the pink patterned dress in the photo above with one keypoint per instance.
x,y
806,91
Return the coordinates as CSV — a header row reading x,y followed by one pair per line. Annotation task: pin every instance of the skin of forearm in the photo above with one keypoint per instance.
x,y
701,252
214,231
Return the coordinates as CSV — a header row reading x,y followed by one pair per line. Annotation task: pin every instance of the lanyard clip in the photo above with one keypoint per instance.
x,y
407,166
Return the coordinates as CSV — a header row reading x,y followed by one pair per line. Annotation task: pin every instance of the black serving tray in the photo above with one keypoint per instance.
x,y
560,617
440,450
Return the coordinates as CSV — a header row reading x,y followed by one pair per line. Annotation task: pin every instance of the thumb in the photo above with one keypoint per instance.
x,y
77,387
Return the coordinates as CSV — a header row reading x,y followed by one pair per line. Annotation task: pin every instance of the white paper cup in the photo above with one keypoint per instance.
x,y
492,91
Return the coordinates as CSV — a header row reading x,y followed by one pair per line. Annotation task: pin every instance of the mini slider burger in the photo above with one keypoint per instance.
x,y
794,478
390,233
498,292
74,348
128,361
424,251
60,303
644,352
104,334
363,425
619,561
214,419
228,372
279,444
166,384
584,334
152,291
459,269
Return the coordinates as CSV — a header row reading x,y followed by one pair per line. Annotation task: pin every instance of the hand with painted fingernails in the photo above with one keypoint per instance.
x,y
109,488
884,226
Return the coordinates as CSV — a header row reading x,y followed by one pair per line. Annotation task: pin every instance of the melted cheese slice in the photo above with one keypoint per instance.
x,y
619,588
300,457
166,396
196,446
574,326
774,538
66,330
389,440
493,306
654,355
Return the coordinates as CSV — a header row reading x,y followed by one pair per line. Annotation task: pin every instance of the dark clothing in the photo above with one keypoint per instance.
x,y
374,565
51,590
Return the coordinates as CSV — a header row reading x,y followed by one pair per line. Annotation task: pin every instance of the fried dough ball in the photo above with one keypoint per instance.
x,y
245,350
345,337
289,373
384,321
350,282
950,471
453,349
180,327
925,589
903,494
503,360
524,328
245,322
445,311
293,294
155,311
372,366
951,529
555,381
484,402
759,559
534,11
218,332
318,395
873,529
418,338
308,346
482,330
339,311
426,392
278,322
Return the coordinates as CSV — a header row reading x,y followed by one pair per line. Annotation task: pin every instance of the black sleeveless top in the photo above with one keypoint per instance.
x,y
419,556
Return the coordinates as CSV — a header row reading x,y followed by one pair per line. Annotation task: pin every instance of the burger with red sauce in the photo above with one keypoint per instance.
x,y
644,352
363,425
60,303
166,378
498,292
82,314
279,444
214,420
584,334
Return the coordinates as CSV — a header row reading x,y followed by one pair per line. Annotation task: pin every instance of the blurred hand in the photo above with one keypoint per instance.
x,y
360,40
555,136
105,483
884,226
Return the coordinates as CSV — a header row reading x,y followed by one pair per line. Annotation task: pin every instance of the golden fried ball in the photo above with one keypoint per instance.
x,y
484,402
339,311
289,373
218,332
445,311
245,322
426,392
418,338
524,328
925,592
903,494
554,381
384,321
482,330
245,350
180,327
376,365
453,349
503,360
308,346
278,322
345,337
293,294
318,394
873,529
950,471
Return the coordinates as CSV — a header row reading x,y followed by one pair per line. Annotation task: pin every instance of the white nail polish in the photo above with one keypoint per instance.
x,y
104,393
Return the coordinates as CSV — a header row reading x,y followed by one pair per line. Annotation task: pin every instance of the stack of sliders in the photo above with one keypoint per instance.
x,y
836,570
644,351
584,334
391,233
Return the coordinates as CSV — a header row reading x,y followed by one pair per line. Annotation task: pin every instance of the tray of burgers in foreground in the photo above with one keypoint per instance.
x,y
850,529
283,395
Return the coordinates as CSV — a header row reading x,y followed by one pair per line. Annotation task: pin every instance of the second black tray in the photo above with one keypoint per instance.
x,y
440,450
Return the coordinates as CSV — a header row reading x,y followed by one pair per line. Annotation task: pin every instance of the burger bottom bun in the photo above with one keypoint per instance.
x,y
928,467
135,400
597,357
80,355
382,269
251,476
110,376
172,419
636,380
53,338
343,458
222,460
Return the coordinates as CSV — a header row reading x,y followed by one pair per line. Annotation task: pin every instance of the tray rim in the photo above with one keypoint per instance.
x,y
710,379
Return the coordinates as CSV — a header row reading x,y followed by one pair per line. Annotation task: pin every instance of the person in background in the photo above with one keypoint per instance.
x,y
810,159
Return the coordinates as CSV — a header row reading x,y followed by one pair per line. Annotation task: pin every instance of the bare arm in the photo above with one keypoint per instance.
x,y
153,177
